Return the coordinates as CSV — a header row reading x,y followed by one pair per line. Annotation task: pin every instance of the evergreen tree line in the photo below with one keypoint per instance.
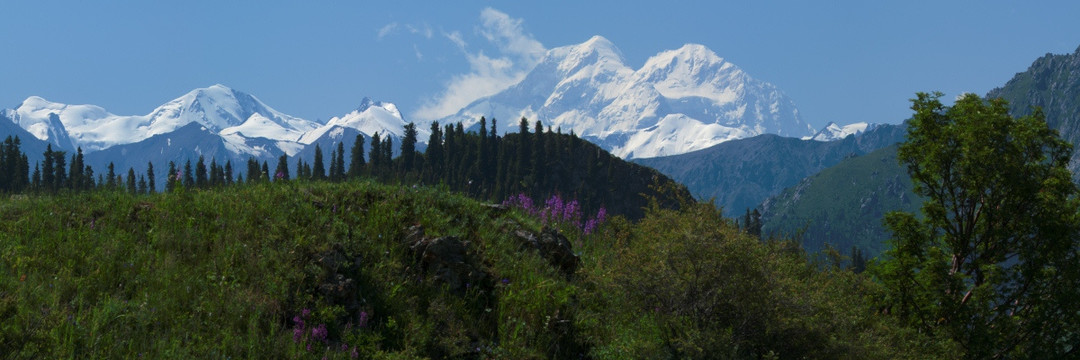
x,y
537,162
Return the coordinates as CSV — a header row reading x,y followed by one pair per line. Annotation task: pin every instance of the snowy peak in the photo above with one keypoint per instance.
x,y
369,118
832,131
241,122
679,101
218,107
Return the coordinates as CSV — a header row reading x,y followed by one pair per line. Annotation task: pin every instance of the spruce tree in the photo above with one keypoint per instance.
x,y
150,177
228,172
189,178
281,173
200,174
131,181
356,164
142,185
375,155
434,153
47,173
170,181
319,172
265,172
339,163
408,148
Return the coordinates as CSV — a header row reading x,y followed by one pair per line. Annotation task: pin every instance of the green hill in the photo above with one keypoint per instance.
x,y
838,205
362,270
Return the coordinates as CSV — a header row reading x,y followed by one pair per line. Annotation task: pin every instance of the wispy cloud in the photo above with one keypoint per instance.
x,y
517,53
421,29
386,30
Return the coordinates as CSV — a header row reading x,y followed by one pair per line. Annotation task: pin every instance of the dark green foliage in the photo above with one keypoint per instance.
x,y
339,163
408,148
189,177
356,161
131,188
171,180
993,263
281,173
152,187
201,179
318,171
843,205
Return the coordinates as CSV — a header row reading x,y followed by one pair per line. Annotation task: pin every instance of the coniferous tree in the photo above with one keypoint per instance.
x,y
152,186
265,173
59,163
281,173
375,155
300,169
318,171
252,170
47,173
228,172
356,163
131,188
388,148
339,163
141,185
171,180
332,175
408,148
35,180
524,151
215,179
75,173
434,153
189,178
88,178
111,175
200,174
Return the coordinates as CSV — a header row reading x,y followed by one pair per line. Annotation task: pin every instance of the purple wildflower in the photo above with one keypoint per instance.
x,y
305,313
571,211
363,318
601,215
344,347
354,354
279,176
506,281
319,333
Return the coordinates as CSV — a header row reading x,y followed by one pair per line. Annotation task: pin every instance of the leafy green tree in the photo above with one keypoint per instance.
x,y
992,264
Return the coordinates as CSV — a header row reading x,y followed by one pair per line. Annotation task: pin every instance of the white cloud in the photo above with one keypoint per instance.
x,y
386,30
517,53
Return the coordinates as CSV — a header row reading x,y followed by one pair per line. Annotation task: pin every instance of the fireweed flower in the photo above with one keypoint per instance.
x,y
319,333
363,318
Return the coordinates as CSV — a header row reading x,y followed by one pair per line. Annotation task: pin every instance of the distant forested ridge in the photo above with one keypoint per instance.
x,y
537,162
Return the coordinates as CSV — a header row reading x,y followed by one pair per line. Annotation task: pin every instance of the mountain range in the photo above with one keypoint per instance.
x,y
679,101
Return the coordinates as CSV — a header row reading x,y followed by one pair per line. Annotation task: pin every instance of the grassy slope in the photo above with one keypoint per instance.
x,y
223,273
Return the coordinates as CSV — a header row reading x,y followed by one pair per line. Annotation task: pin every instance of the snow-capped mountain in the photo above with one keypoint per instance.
x,y
215,122
369,118
832,131
236,117
678,101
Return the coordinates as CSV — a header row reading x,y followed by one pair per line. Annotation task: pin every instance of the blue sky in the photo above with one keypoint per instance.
x,y
842,61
